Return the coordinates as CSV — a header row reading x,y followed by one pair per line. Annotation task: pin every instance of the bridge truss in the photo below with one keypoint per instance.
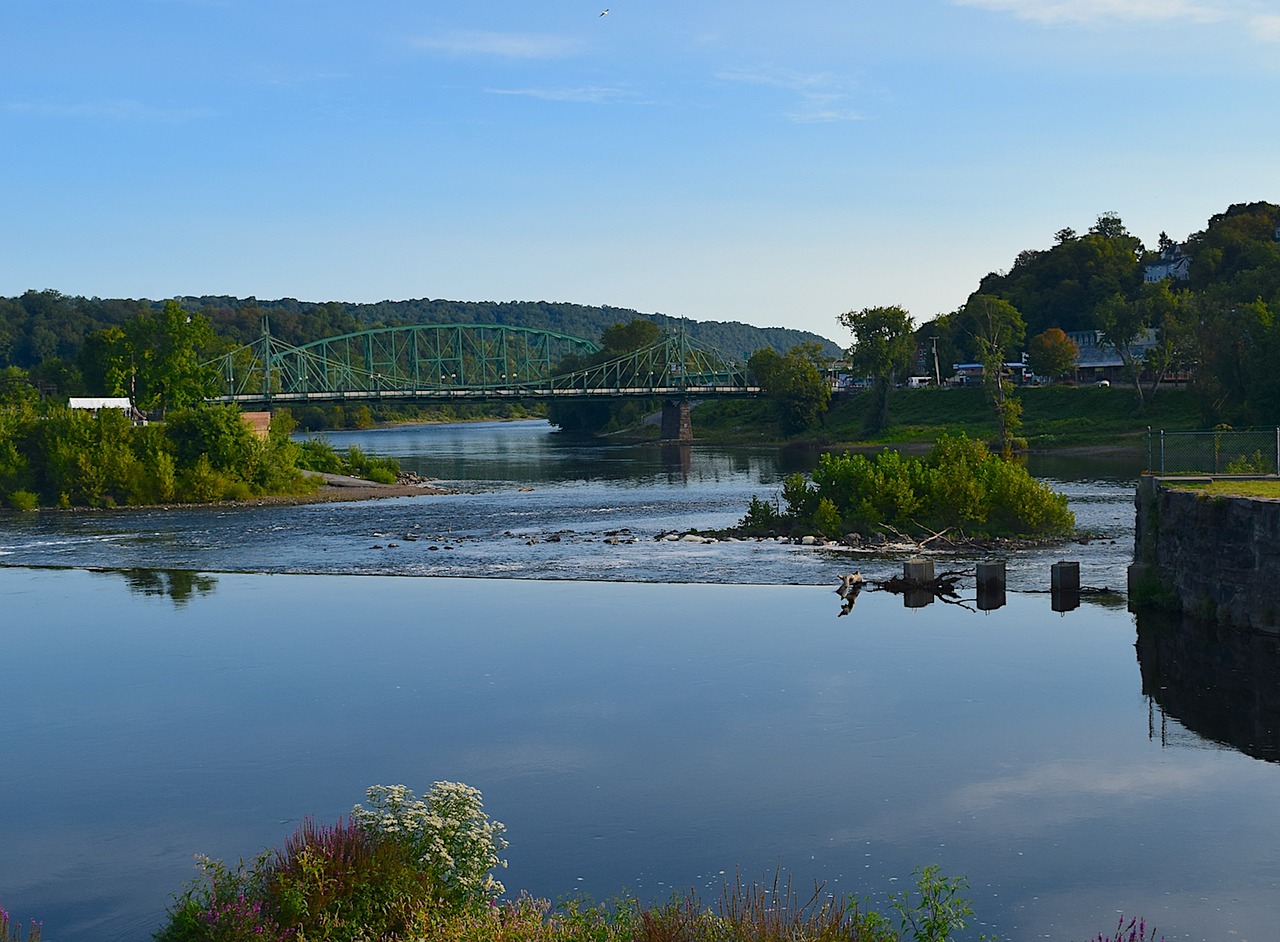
x,y
451,362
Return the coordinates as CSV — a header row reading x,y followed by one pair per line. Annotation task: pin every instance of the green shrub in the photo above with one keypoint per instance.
x,y
447,833
827,518
761,518
342,882
317,454
960,485
22,500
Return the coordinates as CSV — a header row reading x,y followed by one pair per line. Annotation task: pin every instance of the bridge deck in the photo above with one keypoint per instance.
x,y
481,394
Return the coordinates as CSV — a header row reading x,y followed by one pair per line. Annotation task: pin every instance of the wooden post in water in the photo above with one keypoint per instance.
x,y
991,585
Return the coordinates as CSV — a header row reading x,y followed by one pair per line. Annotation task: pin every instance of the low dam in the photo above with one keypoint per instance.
x,y
1217,557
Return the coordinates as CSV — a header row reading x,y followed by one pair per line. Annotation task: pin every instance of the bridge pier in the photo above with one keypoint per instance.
x,y
676,426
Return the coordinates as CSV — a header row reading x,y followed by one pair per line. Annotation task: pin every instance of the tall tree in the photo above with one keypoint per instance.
x,y
997,329
1123,323
882,348
166,349
593,417
794,383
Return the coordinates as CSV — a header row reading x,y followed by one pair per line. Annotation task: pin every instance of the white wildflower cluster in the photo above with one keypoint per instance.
x,y
448,831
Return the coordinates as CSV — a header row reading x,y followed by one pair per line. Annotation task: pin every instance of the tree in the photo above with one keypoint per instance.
x,y
106,362
1109,226
592,417
1123,323
156,358
625,338
997,329
1052,353
1062,286
1236,345
1171,316
882,348
794,383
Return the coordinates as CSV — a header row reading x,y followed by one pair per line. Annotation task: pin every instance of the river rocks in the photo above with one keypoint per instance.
x,y
412,479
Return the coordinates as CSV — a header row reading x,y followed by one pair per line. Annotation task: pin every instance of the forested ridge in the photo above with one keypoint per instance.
x,y
45,332
1213,320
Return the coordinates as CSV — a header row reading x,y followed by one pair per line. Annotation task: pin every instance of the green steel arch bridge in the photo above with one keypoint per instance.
x,y
470,363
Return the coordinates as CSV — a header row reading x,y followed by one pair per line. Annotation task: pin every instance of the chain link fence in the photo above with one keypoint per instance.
x,y
1217,451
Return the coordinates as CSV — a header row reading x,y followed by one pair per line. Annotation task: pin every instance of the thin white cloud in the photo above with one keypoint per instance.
x,y
1101,12
1077,781
1266,27
109,110
499,45
591,95
821,96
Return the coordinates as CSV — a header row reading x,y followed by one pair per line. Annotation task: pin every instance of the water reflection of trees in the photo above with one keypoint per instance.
x,y
179,585
1221,683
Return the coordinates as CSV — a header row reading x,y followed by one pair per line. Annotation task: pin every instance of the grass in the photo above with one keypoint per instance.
x,y
1269,489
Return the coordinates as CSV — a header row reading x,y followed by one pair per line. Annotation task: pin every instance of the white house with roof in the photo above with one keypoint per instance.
x,y
1174,263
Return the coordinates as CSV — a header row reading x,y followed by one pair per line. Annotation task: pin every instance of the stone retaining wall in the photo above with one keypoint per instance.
x,y
1219,557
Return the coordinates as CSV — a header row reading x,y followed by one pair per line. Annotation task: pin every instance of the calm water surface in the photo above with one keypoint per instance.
x,y
650,732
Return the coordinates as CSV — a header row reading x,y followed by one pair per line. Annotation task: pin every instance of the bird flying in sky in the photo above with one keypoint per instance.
x,y
604,11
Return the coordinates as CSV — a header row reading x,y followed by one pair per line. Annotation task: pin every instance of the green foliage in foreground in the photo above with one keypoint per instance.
x,y
959,486
415,870
72,458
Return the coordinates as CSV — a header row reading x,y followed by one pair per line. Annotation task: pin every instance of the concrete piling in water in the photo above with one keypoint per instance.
x,y
918,570
918,575
991,585
1064,585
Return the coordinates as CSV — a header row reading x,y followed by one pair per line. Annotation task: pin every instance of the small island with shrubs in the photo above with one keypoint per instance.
x,y
959,492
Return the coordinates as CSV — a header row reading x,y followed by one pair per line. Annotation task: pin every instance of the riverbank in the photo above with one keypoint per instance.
x,y
1055,419
335,488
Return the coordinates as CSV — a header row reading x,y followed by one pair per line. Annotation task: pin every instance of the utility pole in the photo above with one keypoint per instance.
x,y
937,373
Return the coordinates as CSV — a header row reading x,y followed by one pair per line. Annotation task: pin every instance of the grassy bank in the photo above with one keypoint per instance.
x,y
1268,490
1053,417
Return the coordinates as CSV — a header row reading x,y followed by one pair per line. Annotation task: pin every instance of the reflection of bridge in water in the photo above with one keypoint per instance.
x,y
441,363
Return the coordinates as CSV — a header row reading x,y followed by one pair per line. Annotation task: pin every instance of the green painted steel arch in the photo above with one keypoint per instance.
x,y
425,357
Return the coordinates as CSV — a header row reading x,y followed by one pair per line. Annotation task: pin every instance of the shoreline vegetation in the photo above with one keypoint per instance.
x,y
959,494
415,869
70,459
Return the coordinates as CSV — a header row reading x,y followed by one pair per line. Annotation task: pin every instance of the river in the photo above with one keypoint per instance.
x,y
642,715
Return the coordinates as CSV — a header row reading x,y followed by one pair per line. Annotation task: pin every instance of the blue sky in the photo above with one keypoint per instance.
x,y
766,162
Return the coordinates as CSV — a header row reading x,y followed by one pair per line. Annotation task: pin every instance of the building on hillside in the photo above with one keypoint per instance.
x,y
970,374
95,404
1099,360
1173,263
